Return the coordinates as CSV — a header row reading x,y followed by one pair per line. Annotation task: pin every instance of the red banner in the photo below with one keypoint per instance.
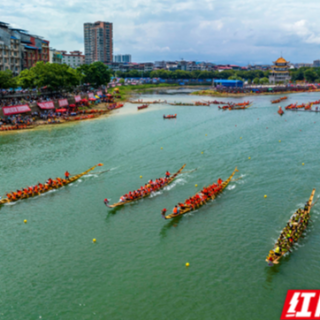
x,y
7,111
77,98
63,103
302,304
46,105
99,93
91,95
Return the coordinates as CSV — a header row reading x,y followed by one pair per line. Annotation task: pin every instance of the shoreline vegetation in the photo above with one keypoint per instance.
x,y
127,92
213,93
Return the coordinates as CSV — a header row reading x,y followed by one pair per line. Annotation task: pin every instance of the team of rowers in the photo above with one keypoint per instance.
x,y
199,199
151,186
38,188
291,233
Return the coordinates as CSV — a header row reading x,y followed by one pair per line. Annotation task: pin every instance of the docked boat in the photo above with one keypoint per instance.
x,y
189,208
236,106
181,104
291,233
170,180
170,116
47,187
144,106
16,127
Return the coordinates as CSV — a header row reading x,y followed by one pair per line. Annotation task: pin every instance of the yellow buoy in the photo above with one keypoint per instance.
x,y
195,185
303,163
265,195
161,148
240,137
206,134
249,158
140,177
187,264
25,221
94,240
201,152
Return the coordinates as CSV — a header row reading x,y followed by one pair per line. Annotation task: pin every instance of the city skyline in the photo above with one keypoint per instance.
x,y
231,32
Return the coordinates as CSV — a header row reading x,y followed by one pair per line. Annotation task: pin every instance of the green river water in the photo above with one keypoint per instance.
x,y
51,269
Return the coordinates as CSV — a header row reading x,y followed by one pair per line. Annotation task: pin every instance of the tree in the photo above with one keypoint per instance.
x,y
7,80
51,75
297,75
235,77
122,81
96,73
264,80
256,81
310,75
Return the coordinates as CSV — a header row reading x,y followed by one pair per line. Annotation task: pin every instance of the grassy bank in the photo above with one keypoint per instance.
x,y
127,91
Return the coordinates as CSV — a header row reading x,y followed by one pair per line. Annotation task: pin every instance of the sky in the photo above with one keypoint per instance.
x,y
218,31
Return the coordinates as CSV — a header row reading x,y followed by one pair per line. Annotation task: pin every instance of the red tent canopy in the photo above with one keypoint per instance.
x,y
84,100
46,105
92,99
109,95
72,105
7,111
61,110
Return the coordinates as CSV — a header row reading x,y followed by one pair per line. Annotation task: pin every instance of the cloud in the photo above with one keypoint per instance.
x,y
234,31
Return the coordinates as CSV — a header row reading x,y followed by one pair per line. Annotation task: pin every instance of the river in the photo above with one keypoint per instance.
x,y
51,269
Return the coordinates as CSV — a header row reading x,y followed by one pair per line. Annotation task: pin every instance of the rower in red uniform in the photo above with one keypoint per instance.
x,y
163,212
168,174
67,174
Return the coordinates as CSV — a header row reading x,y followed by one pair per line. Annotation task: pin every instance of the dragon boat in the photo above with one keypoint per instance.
x,y
181,104
272,258
170,180
191,208
34,194
143,106
170,116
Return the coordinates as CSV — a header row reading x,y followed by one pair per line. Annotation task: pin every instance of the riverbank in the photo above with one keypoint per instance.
x,y
127,92
213,93
86,114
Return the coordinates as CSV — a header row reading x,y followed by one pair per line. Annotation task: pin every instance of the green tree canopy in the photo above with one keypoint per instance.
x,y
256,81
264,80
7,80
310,75
96,73
52,75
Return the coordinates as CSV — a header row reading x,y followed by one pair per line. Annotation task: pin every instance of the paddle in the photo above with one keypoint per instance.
x,y
315,202
189,171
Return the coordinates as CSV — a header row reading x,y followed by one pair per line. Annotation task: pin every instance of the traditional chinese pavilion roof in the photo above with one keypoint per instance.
x,y
281,60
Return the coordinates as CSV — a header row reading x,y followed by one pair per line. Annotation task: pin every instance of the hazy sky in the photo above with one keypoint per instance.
x,y
224,31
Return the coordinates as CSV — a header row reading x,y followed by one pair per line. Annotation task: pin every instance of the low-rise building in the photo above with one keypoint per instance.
x,y
20,50
73,59
55,56
301,65
122,58
316,63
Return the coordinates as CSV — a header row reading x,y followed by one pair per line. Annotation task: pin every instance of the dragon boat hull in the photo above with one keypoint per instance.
x,y
224,185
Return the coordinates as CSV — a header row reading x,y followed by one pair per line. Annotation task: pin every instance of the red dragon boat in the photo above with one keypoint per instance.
x,y
170,116
144,106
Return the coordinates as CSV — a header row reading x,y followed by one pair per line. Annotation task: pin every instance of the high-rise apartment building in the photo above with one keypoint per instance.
x,y
98,42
